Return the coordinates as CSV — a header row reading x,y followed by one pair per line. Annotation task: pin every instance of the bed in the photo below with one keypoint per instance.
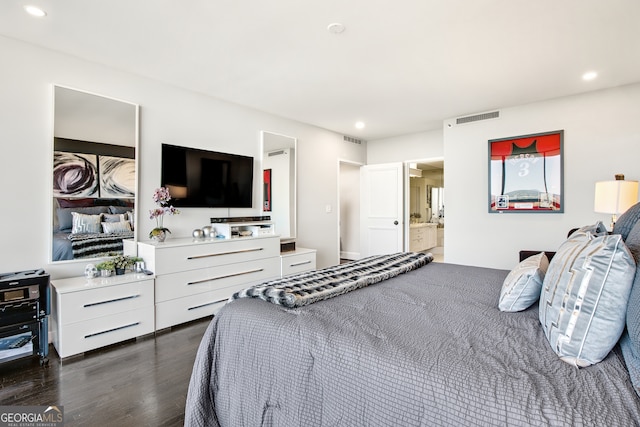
x,y
429,346
83,229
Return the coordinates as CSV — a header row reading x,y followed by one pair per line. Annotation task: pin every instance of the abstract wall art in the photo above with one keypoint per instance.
x,y
75,174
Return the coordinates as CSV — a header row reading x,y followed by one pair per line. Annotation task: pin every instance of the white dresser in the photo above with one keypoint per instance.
x,y
297,261
90,313
194,278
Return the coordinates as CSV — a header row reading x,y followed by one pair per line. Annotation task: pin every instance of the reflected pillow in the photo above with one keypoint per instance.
x,y
522,286
132,219
113,217
119,209
584,297
86,224
116,227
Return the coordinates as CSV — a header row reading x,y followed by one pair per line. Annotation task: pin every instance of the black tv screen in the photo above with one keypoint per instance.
x,y
202,178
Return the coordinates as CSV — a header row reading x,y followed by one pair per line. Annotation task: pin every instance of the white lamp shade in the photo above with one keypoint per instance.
x,y
615,197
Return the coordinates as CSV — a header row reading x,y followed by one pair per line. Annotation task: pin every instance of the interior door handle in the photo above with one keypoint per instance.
x,y
395,222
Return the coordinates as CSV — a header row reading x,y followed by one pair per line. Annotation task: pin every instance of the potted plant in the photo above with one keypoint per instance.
x,y
106,267
161,197
122,262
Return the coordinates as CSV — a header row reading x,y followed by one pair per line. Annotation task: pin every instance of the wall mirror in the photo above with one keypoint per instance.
x,y
279,182
94,175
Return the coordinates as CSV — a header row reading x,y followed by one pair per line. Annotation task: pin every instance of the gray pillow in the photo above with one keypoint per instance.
x,y
584,297
626,221
633,241
522,286
597,229
630,341
113,217
119,209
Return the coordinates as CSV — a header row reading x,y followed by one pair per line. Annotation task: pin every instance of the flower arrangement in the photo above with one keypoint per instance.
x,y
161,197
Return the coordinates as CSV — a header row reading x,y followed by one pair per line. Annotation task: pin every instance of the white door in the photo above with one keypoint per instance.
x,y
381,209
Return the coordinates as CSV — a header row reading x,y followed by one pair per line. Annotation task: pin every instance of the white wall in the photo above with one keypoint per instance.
x,y
167,115
416,146
601,138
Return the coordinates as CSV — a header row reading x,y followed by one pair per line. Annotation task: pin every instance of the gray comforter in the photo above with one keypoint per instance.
x,y
428,347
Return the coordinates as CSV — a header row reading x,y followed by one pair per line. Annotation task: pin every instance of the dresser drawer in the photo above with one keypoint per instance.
x,y
177,285
171,259
300,263
95,333
74,307
181,310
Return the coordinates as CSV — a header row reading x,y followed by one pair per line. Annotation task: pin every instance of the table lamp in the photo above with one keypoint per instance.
x,y
615,197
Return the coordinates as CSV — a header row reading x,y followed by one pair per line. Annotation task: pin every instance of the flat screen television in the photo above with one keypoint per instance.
x,y
202,178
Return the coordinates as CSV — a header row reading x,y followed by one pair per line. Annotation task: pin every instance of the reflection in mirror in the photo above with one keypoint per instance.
x,y
279,184
94,175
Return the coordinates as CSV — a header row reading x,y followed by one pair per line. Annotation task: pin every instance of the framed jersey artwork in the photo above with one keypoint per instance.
x,y
525,173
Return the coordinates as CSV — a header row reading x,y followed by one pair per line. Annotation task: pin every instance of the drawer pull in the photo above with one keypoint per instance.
x,y
300,263
207,304
226,276
111,300
226,253
112,330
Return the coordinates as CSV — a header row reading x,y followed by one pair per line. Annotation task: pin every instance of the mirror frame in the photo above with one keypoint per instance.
x,y
136,147
293,199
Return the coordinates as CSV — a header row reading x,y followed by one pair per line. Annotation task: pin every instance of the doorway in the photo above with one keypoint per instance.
x,y
426,203
349,210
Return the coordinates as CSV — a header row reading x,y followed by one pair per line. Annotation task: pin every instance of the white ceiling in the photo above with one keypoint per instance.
x,y
400,66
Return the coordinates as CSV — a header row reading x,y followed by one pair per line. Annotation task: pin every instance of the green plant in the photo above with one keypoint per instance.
x,y
124,261
106,265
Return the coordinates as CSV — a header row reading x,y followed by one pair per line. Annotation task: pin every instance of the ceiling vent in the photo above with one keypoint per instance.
x,y
275,153
478,117
352,140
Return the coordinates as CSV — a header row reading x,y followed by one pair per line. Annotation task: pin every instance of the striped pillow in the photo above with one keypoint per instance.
x,y
85,224
584,297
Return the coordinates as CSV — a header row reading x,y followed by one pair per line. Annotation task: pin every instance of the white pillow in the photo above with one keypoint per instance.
x,y
116,227
584,297
522,286
85,224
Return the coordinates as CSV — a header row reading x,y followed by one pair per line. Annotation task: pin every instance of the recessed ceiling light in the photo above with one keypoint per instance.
x,y
335,28
35,11
589,75
360,125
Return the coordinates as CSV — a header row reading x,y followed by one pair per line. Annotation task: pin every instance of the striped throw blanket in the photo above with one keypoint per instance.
x,y
93,245
307,288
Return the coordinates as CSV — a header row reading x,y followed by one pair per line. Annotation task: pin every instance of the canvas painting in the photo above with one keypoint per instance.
x,y
75,175
117,177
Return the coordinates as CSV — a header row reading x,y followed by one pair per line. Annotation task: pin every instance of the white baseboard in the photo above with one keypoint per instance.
x,y
349,255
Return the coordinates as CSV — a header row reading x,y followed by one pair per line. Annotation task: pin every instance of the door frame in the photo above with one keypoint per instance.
x,y
339,208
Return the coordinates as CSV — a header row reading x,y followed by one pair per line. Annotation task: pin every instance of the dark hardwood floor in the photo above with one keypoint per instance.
x,y
137,383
